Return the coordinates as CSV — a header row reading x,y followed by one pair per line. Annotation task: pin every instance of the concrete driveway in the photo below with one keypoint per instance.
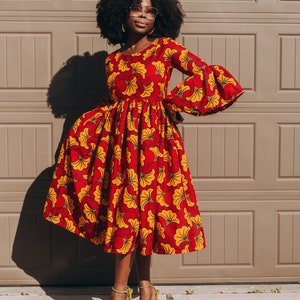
x,y
178,292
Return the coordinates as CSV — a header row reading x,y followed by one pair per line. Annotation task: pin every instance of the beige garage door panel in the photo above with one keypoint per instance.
x,y
247,242
52,5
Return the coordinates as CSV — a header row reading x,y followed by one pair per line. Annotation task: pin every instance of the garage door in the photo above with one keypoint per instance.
x,y
245,162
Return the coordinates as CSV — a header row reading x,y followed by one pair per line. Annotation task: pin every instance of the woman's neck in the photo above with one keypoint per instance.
x,y
136,44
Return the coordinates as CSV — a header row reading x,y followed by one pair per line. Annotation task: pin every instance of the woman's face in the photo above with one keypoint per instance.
x,y
141,17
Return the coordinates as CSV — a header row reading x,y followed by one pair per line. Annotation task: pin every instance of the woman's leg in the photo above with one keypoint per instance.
x,y
122,272
143,264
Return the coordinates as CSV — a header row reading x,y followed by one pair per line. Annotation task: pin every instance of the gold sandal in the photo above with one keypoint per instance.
x,y
128,292
152,286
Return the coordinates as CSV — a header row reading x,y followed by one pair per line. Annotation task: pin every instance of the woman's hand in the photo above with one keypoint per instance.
x,y
175,117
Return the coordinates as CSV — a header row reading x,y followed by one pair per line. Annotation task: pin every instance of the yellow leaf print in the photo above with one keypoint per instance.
x,y
167,156
146,197
178,145
107,124
144,234
199,242
147,179
116,197
110,216
197,221
97,194
168,249
170,135
160,197
211,81
139,68
123,65
225,80
69,203
111,79
119,179
83,138
175,179
67,165
100,154
129,200
120,220
221,71
135,225
99,128
85,191
169,216
148,90
128,155
81,163
54,219
127,243
69,225
188,199
161,175
163,89
132,179
188,217
142,158
197,95
169,53
151,52
186,249
61,155
147,134
173,107
151,219
178,197
160,230
131,87
156,152
134,140
225,102
213,101
184,162
76,124
52,196
143,251
139,106
117,152
72,142
131,123
160,68
198,70
181,89
181,235
147,117
109,234
90,213
184,59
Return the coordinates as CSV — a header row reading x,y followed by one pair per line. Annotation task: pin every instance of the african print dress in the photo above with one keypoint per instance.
x,y
122,177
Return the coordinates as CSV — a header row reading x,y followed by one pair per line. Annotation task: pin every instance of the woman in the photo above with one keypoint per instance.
x,y
122,177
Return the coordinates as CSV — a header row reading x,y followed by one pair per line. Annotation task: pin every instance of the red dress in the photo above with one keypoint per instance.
x,y
122,177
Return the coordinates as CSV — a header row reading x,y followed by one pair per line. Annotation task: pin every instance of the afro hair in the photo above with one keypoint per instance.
x,y
112,14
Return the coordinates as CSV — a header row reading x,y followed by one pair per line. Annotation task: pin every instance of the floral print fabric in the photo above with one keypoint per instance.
x,y
122,177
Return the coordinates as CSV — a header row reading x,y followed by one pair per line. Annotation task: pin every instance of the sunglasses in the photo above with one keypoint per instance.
x,y
137,10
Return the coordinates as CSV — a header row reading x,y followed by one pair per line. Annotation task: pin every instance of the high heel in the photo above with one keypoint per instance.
x,y
128,292
152,286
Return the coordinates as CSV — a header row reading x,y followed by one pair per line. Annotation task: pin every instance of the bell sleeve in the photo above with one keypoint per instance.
x,y
207,89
